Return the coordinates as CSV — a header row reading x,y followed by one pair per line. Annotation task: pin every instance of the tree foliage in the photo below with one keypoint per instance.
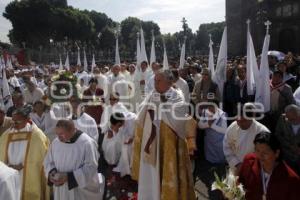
x,y
35,22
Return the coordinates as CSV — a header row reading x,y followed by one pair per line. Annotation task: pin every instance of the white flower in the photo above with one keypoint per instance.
x,y
53,87
229,187
63,91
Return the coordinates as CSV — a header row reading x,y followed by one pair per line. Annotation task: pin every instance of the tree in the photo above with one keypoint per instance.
x,y
202,35
29,20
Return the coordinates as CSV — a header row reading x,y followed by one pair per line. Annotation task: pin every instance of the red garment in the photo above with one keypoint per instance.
x,y
284,184
94,111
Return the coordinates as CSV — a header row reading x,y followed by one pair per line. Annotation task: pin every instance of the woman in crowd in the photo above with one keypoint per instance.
x,y
264,175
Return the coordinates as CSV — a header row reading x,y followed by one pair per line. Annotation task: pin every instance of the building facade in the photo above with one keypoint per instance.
x,y
285,28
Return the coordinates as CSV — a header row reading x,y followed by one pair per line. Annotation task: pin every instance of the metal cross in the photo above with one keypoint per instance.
x,y
268,24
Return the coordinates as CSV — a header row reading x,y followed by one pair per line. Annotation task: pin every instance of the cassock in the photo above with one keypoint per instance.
x,y
238,142
27,146
165,171
79,159
9,183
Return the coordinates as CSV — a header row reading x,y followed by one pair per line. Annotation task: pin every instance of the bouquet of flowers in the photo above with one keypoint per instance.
x,y
231,189
63,86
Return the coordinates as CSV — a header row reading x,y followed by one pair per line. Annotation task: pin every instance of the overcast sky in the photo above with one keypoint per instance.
x,y
166,13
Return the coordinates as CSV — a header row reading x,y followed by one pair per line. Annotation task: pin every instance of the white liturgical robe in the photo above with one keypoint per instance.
x,y
79,158
9,183
238,142
116,151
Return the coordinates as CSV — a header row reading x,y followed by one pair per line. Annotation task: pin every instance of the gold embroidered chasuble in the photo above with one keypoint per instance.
x,y
176,179
34,183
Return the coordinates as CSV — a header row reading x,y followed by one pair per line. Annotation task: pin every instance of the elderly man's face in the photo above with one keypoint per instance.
x,y
63,134
19,121
161,84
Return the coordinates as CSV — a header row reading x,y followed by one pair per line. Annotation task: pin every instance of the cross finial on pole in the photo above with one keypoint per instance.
x,y
248,21
210,41
268,24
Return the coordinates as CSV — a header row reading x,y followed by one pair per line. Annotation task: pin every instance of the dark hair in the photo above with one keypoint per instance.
x,y
116,95
268,139
117,118
66,124
93,80
175,73
144,62
277,72
38,102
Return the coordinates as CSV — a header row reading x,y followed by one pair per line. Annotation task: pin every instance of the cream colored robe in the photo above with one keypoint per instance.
x,y
27,146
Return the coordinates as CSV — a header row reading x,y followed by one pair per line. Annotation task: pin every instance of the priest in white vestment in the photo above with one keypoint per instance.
x,y
23,147
161,162
239,137
71,165
9,183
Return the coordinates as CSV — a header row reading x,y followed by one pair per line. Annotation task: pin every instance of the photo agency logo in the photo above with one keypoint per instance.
x,y
169,105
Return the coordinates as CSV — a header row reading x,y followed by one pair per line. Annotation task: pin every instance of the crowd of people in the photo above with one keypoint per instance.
x,y
149,123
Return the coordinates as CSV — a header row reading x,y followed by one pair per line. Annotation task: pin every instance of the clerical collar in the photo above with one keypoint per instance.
x,y
75,137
